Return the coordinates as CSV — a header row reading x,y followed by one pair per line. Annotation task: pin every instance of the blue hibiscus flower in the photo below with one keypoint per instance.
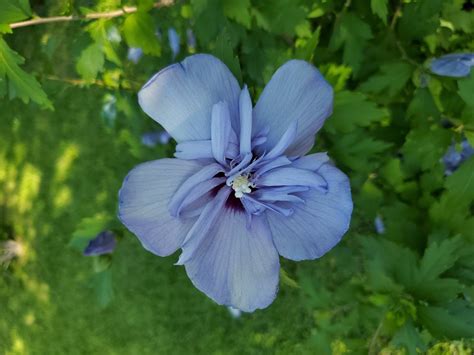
x,y
455,65
240,191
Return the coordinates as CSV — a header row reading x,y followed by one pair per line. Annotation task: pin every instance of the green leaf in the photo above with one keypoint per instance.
x,y
307,52
239,11
14,10
424,147
353,109
419,19
439,258
390,79
379,8
287,280
91,62
20,83
139,31
461,183
454,322
280,16
87,229
409,337
466,89
352,34
354,149
224,51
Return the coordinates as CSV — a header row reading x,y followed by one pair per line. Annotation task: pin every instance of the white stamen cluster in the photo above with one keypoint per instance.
x,y
242,185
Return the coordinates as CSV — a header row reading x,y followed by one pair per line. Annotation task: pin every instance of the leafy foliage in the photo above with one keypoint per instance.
x,y
408,288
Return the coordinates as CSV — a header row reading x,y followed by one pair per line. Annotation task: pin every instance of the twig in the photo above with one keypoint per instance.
x,y
89,16
134,86
373,341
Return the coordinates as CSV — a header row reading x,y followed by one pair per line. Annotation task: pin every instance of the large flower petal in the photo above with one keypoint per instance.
x,y
296,92
144,199
236,266
317,225
180,97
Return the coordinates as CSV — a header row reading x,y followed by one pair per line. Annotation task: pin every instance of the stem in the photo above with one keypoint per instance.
x,y
89,16
373,341
134,86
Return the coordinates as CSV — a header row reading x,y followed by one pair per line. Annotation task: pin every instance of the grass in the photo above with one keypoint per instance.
x,y
60,167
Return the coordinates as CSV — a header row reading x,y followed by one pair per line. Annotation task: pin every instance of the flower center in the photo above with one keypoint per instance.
x,y
241,185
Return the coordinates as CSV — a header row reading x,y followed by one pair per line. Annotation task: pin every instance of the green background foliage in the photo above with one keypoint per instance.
x,y
70,130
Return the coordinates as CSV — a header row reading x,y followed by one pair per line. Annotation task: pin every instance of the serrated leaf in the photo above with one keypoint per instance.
x,y
390,79
20,83
14,10
280,16
239,11
353,109
419,18
379,8
224,51
352,34
453,322
354,149
409,337
461,183
424,148
439,258
91,62
139,31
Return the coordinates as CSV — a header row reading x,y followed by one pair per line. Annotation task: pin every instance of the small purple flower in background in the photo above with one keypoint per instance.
x,y
191,40
151,139
379,225
173,38
454,65
134,54
467,150
241,192
103,243
452,159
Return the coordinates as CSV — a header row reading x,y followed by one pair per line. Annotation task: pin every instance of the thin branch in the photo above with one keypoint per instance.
x,y
132,85
373,341
89,16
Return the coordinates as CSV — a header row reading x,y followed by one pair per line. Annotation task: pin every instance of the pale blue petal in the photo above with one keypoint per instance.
x,y
197,193
194,150
143,206
236,266
317,225
220,131
293,177
296,92
203,225
204,174
275,163
180,97
454,65
285,141
260,206
245,110
311,162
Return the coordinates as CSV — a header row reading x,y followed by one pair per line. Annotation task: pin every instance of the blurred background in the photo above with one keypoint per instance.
x,y
400,282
